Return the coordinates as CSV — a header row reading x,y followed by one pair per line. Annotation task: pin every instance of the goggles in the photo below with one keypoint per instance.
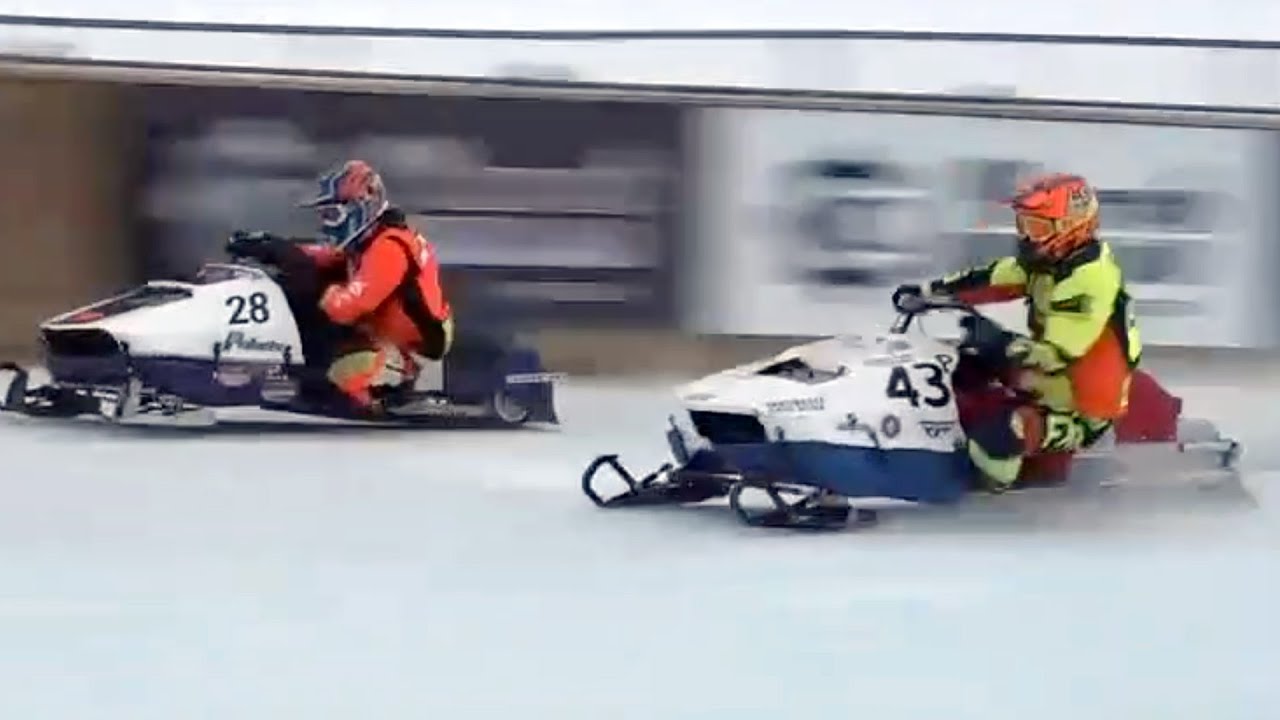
x,y
332,215
1035,227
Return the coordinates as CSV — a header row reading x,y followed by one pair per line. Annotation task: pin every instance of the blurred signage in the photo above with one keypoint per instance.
x,y
811,219
541,212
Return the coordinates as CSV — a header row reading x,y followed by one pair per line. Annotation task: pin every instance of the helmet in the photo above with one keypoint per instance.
x,y
350,199
1055,215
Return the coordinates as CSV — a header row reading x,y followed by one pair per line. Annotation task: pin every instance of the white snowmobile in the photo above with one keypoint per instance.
x,y
884,418
177,353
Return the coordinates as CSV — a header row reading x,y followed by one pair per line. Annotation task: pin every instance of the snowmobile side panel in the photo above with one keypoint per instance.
x,y
857,472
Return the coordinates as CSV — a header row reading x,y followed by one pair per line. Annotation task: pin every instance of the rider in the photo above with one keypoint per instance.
x,y
1084,343
375,276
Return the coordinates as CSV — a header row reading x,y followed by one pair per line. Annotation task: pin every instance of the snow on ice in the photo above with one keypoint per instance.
x,y
395,574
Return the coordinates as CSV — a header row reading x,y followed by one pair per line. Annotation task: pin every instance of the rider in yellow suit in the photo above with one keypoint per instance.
x,y
1084,342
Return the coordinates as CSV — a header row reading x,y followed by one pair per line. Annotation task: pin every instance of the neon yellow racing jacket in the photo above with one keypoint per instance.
x,y
1084,341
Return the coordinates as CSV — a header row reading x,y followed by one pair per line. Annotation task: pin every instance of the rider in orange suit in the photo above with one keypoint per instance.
x,y
388,283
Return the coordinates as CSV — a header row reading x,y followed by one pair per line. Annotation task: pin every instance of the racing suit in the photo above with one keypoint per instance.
x,y
383,295
1077,363
393,298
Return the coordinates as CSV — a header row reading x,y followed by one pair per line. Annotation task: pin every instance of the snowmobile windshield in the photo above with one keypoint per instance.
x,y
214,274
800,370
145,296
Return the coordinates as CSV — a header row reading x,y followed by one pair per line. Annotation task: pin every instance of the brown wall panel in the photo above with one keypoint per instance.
x,y
71,151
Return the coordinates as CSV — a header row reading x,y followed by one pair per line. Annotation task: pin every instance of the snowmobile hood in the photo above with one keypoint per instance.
x,y
233,311
119,312
109,313
799,374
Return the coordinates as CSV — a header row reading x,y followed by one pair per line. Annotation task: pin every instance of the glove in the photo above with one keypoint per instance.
x,y
253,244
908,298
986,337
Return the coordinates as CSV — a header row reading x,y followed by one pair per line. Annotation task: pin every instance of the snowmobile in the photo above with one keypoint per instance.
x,y
182,352
881,420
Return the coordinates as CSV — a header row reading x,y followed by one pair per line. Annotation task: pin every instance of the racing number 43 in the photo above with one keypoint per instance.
x,y
251,309
901,386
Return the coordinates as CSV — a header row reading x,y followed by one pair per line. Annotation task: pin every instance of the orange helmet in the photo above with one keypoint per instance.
x,y
1056,215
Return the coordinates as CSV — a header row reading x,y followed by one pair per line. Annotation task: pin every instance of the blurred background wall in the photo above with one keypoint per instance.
x,y
69,193
665,216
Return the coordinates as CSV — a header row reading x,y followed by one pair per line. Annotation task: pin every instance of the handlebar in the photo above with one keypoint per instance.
x,y
925,305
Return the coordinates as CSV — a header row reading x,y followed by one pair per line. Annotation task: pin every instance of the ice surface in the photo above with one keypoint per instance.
x,y
462,574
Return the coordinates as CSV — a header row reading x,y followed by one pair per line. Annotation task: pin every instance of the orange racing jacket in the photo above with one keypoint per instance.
x,y
392,292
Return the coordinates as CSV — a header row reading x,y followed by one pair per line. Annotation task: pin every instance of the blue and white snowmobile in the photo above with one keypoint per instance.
x,y
883,418
180,353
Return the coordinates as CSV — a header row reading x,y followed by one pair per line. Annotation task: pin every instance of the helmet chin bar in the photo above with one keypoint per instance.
x,y
337,217
1030,257
353,236
335,223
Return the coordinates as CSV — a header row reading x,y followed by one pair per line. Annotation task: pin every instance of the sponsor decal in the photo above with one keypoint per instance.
x,y
233,375
797,405
1076,305
890,426
535,378
279,390
887,360
937,428
237,340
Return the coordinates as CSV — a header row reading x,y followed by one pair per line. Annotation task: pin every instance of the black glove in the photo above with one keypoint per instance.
x,y
908,298
253,244
985,336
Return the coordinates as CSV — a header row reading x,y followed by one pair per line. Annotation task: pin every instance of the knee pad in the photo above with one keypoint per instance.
x,y
358,373
354,374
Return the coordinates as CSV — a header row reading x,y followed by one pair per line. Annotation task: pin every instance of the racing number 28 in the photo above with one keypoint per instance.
x,y
251,309
900,385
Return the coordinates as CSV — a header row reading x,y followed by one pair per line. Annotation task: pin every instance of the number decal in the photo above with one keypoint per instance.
x,y
900,385
937,381
258,310
256,305
236,303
